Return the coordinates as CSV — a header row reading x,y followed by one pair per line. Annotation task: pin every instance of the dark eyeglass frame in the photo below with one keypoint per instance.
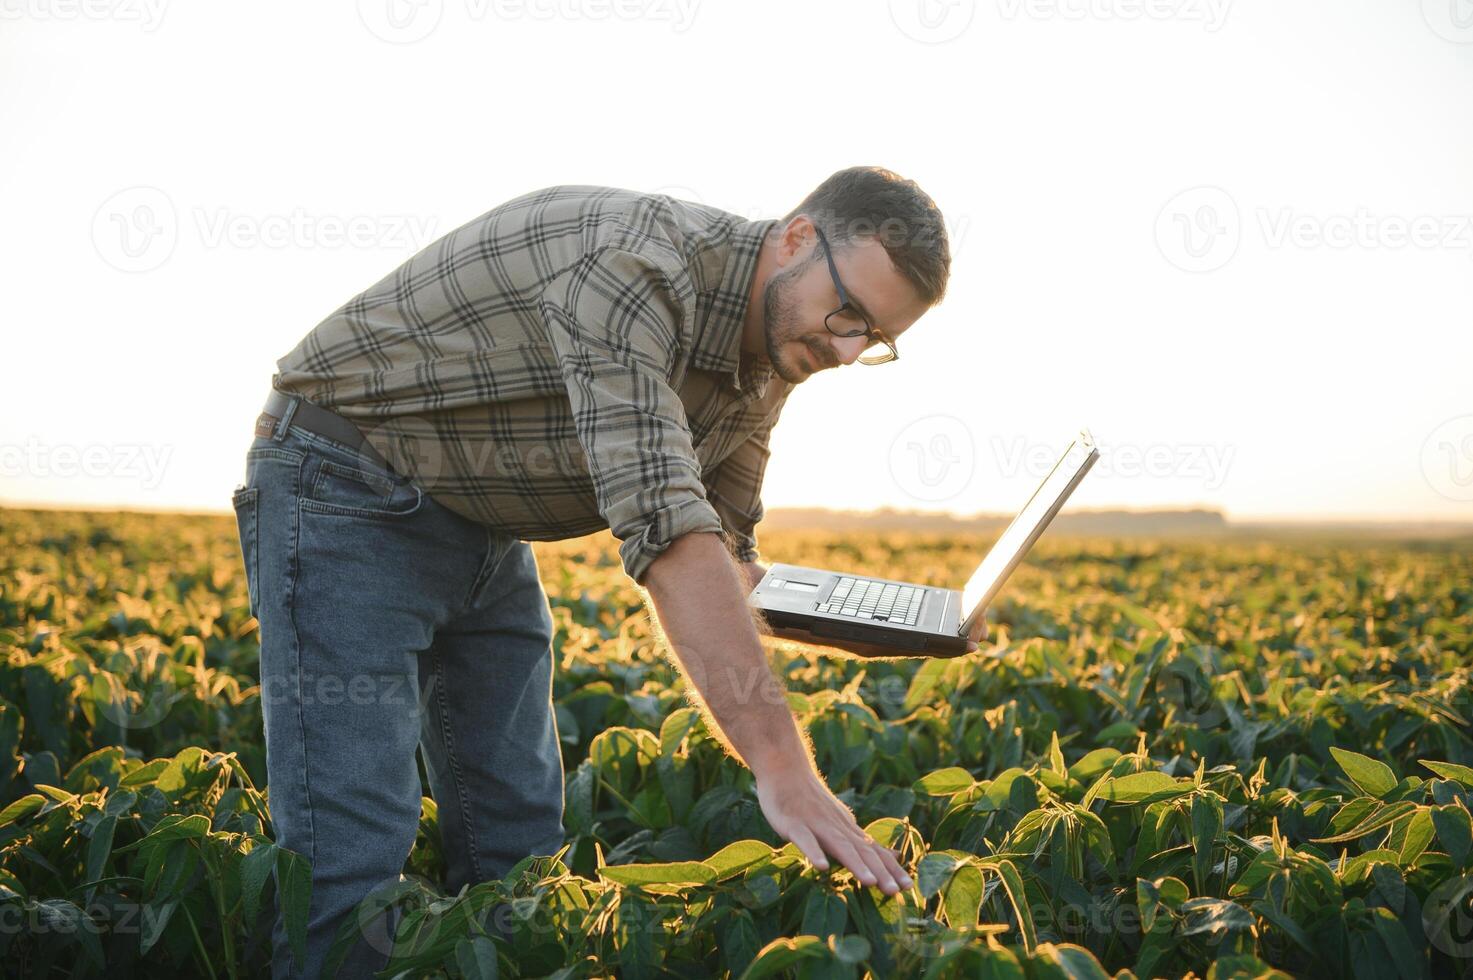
x,y
868,330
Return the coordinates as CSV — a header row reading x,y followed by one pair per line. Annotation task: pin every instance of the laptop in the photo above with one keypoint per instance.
x,y
917,620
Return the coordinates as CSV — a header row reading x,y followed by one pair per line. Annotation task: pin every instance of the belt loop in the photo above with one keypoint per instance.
x,y
286,418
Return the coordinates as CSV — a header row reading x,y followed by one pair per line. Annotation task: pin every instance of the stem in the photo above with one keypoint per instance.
x,y
198,943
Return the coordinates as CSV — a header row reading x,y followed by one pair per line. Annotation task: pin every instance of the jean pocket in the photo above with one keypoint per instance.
x,y
244,501
352,491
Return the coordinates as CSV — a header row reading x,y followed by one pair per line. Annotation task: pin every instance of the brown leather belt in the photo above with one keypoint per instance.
x,y
314,418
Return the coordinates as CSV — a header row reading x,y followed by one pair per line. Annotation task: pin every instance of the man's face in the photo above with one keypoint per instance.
x,y
798,296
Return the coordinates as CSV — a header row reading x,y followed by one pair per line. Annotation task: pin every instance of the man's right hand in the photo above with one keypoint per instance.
x,y
801,809
700,597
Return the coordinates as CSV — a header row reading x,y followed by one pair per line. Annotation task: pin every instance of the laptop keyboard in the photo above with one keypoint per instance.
x,y
868,599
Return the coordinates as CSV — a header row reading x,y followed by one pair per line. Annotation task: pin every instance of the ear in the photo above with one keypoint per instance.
x,y
796,236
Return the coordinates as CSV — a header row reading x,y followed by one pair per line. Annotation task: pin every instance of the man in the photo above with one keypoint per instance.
x,y
574,359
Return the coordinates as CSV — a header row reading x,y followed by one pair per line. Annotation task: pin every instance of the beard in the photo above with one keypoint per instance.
x,y
782,330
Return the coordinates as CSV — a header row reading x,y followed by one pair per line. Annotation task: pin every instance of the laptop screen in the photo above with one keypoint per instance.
x,y
1009,550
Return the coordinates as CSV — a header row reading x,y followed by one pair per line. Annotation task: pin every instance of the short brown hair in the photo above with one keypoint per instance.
x,y
872,202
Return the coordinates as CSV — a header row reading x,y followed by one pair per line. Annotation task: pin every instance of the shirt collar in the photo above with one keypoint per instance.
x,y
718,343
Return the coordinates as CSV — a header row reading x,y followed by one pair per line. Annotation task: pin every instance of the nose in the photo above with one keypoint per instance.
x,y
849,348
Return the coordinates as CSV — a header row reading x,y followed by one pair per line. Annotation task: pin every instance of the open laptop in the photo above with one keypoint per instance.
x,y
917,619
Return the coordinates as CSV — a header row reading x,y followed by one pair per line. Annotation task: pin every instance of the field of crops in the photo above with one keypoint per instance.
x,y
1219,759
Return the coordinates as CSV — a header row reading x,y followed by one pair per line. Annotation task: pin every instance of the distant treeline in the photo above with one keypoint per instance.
x,y
1087,522
1194,522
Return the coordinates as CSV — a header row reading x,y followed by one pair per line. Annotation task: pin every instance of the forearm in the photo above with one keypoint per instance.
x,y
700,598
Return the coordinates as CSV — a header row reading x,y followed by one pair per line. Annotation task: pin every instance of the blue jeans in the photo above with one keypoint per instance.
x,y
389,623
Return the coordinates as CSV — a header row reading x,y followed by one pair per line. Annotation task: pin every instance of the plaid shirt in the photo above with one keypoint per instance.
x,y
568,361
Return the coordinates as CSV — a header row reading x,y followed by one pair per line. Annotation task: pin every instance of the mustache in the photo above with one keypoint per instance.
x,y
822,353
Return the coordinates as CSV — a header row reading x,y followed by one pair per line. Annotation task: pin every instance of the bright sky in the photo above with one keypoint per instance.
x,y
1232,237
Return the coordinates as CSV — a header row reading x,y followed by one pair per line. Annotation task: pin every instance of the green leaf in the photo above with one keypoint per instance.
x,y
739,942
1056,755
934,870
1447,770
1288,926
851,950
1140,786
1418,835
780,954
962,897
1382,816
177,772
944,782
99,848
156,916
925,681
1094,762
1119,730
255,868
22,808
737,857
1454,831
294,884
475,957
1070,962
673,873
1371,777
1214,916
1206,826
1394,935
1239,966
824,914
1012,882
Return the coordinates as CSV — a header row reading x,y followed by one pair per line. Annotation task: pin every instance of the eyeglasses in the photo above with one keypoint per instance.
x,y
847,308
